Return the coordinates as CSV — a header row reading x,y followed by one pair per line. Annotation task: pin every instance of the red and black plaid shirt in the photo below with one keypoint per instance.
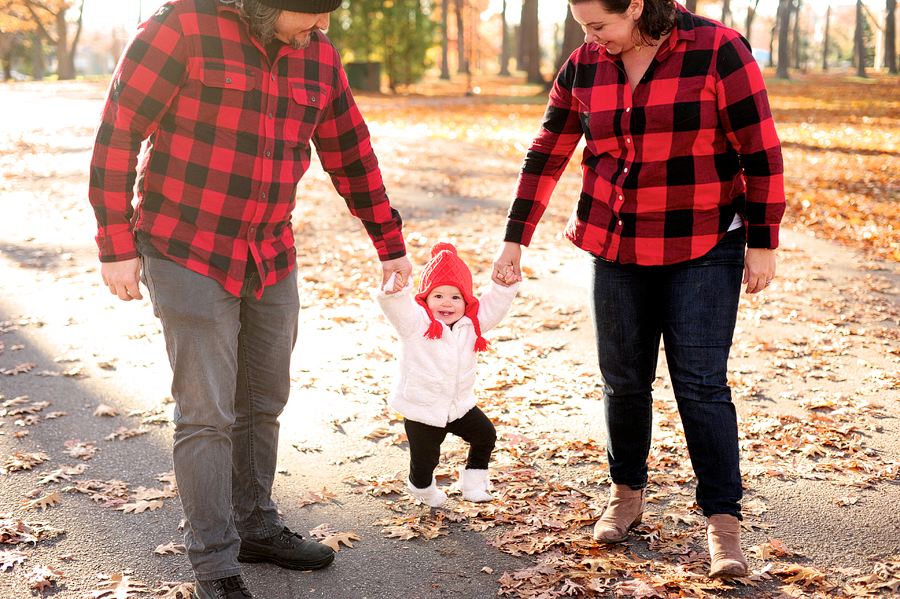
x,y
229,139
667,166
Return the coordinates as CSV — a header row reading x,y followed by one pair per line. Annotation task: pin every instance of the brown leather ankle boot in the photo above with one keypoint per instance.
x,y
723,532
625,509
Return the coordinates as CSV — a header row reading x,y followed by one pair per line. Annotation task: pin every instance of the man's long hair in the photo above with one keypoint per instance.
x,y
260,17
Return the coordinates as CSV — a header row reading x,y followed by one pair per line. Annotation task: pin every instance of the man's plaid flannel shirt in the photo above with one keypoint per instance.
x,y
229,139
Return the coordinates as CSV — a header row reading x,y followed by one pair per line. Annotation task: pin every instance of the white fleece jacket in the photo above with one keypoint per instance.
x,y
437,376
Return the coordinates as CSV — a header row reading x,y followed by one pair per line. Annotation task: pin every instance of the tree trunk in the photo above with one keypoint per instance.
x,y
38,56
573,37
751,12
461,38
726,13
530,39
796,46
504,43
691,5
890,36
826,40
445,43
784,44
859,45
65,68
73,48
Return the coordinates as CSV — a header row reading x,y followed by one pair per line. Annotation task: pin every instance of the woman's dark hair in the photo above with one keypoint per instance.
x,y
657,18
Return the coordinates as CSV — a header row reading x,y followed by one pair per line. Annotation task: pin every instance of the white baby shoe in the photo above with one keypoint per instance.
x,y
474,485
430,495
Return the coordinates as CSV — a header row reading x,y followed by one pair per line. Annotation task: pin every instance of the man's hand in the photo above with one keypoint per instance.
x,y
507,264
123,278
399,266
759,269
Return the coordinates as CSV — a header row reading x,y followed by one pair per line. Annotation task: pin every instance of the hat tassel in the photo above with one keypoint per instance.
x,y
435,330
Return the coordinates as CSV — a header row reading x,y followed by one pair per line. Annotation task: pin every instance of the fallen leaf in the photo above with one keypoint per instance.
x,y
119,586
174,549
8,559
334,541
42,503
139,507
174,590
43,577
81,450
23,461
378,432
106,411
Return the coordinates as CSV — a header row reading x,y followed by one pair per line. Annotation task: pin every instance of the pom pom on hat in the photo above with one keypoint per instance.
x,y
447,268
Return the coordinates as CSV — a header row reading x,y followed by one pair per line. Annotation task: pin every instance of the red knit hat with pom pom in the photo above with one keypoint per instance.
x,y
447,268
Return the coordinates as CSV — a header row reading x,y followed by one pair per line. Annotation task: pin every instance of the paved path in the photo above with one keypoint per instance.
x,y
820,347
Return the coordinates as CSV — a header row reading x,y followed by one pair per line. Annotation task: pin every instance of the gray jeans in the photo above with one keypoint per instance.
x,y
230,359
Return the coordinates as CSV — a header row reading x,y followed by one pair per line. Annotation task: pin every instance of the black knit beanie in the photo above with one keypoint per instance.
x,y
309,6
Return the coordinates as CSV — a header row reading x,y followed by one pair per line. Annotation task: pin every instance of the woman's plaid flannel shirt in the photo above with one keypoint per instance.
x,y
667,166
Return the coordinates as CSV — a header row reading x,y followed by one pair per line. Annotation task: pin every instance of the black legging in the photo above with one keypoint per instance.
x,y
425,444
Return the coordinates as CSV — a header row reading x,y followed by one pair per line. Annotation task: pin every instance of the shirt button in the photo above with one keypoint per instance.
x,y
620,197
620,223
270,115
273,77
264,195
628,109
268,154
312,99
627,139
252,230
624,170
228,80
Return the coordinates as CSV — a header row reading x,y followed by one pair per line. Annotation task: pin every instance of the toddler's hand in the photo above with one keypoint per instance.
x,y
393,284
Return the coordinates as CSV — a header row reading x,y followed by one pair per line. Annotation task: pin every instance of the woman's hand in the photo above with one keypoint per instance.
x,y
759,269
507,264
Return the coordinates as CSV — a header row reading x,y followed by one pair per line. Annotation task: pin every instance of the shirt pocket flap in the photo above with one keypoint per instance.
x,y
227,79
306,95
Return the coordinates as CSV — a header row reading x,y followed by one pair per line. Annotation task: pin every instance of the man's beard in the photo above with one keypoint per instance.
x,y
298,44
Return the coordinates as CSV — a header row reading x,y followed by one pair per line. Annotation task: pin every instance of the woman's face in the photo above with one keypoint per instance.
x,y
613,31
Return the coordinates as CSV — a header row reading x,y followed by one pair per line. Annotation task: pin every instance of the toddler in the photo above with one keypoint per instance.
x,y
440,330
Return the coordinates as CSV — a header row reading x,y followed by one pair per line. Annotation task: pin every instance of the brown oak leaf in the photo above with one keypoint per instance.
x,y
107,411
42,503
334,541
173,548
81,450
119,586
8,559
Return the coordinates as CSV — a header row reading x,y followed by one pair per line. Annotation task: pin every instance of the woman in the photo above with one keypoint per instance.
x,y
682,196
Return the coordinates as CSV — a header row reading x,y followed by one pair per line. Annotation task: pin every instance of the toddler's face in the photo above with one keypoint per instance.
x,y
446,303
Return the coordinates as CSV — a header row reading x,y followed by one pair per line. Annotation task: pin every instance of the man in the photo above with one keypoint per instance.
x,y
228,95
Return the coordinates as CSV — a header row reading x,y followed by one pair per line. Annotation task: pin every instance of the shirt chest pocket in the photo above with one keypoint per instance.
x,y
694,108
305,107
226,97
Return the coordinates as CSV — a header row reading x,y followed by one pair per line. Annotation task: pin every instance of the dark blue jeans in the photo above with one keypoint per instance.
x,y
693,307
